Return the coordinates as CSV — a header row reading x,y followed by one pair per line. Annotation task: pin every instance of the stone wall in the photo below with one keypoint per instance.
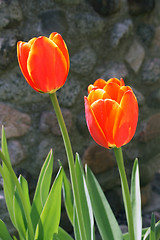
x,y
111,38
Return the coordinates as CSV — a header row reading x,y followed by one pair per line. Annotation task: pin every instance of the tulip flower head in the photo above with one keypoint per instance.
x,y
111,111
44,62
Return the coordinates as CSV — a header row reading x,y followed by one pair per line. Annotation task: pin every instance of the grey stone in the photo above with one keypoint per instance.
x,y
151,71
68,2
120,31
21,91
146,33
88,24
153,100
16,152
16,123
7,49
49,123
83,61
15,12
112,70
154,204
135,56
139,7
68,94
81,124
106,7
139,96
53,21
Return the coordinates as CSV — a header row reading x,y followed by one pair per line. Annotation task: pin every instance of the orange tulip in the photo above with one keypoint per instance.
x,y
111,111
44,62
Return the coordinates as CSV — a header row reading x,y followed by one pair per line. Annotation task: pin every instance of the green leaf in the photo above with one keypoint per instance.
x,y
106,221
8,183
68,196
75,224
62,235
50,216
86,207
42,189
153,229
136,201
19,214
25,189
21,223
4,234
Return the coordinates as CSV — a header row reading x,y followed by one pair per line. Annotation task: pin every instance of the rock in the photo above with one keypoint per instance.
x,y
111,70
7,49
98,158
153,99
150,128
124,228
139,96
156,40
120,31
68,2
16,152
146,195
49,123
135,56
53,20
114,197
15,12
148,169
154,204
151,71
16,123
106,7
139,7
68,94
146,33
88,24
81,124
83,61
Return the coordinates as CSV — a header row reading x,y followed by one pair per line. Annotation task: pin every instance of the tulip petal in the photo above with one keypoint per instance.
x,y
47,65
127,122
23,50
100,83
96,95
58,40
93,126
115,80
112,90
105,112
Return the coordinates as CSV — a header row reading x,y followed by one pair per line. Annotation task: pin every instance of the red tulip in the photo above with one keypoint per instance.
x,y
44,62
111,111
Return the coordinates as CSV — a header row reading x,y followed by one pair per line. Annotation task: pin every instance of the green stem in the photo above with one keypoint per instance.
x,y
70,157
14,177
125,192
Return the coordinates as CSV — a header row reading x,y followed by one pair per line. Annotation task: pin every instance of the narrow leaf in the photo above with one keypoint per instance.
x,y
85,201
43,184
21,223
25,189
68,196
4,234
75,224
153,229
136,201
62,235
106,221
50,216
8,183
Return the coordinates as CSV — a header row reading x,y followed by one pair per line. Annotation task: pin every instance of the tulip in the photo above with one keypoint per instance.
x,y
111,111
44,62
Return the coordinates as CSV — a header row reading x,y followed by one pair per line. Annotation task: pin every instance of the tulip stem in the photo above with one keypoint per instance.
x,y
125,192
70,157
21,194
